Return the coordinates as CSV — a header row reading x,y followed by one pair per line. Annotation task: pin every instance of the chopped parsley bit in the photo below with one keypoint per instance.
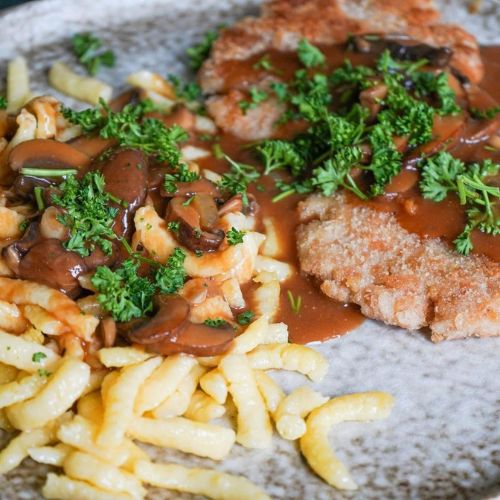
x,y
234,236
123,293
443,174
42,372
170,277
87,213
24,225
199,52
236,181
38,356
295,302
485,114
264,63
181,174
281,90
186,91
245,318
198,253
174,226
215,322
309,55
85,47
131,129
257,96
3,102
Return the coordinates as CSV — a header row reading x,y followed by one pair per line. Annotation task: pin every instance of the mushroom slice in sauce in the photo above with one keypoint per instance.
x,y
191,234
196,339
195,187
49,263
172,316
46,153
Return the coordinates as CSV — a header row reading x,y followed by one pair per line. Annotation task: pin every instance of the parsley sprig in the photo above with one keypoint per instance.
x,y
199,52
86,48
87,213
442,174
3,102
235,236
237,180
131,129
126,295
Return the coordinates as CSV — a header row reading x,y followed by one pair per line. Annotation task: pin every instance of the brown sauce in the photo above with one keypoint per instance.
x,y
319,317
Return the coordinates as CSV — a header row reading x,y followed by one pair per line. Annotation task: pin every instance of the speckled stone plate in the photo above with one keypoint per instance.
x,y
443,437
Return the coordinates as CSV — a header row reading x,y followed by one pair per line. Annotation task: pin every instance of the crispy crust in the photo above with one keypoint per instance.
x,y
284,23
364,256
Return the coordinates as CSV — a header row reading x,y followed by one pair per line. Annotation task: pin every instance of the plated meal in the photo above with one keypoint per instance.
x,y
166,249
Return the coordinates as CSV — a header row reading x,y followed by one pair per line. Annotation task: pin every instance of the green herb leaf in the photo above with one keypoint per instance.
x,y
485,114
201,51
188,92
245,318
216,322
170,277
86,48
3,102
234,236
181,174
38,356
309,55
123,293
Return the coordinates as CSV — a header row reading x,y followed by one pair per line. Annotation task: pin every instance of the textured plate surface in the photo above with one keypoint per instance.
x,y
443,437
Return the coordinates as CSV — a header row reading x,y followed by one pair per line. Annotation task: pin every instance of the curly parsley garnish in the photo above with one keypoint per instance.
x,y
442,174
86,48
131,129
3,102
87,213
201,51
238,178
234,236
309,55
257,96
126,295
123,293
245,318
170,277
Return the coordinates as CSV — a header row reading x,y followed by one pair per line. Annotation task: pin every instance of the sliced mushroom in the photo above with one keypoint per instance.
x,y
126,176
401,47
172,316
49,263
14,252
196,339
191,233
198,240
189,189
91,145
25,184
108,331
235,204
45,153
205,205
371,99
51,227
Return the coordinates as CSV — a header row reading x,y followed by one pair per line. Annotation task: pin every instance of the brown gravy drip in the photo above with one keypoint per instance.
x,y
321,318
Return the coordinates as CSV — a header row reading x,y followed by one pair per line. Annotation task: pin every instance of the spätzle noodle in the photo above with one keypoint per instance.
x,y
163,382
63,388
253,423
11,319
203,408
64,488
271,392
204,440
50,455
22,354
314,443
18,85
119,401
289,415
215,385
59,305
118,357
79,465
291,357
210,483
83,88
25,388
